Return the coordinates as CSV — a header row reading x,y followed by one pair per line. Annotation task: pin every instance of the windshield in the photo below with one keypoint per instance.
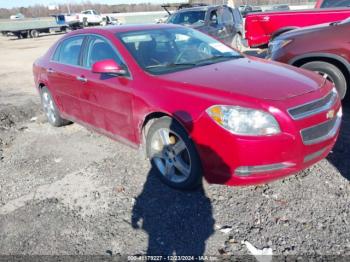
x,y
187,18
335,3
162,51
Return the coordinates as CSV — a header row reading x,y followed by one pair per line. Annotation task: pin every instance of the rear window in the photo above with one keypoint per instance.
x,y
189,18
335,3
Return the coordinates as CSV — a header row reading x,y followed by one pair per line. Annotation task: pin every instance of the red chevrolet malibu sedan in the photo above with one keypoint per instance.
x,y
198,107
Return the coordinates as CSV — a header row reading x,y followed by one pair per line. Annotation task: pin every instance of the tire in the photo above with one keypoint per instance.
x,y
34,33
173,154
331,72
85,22
50,109
24,35
66,29
237,42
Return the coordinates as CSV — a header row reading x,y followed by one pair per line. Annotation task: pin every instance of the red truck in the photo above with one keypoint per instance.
x,y
261,27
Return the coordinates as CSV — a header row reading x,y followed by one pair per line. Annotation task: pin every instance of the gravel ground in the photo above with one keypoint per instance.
x,y
67,191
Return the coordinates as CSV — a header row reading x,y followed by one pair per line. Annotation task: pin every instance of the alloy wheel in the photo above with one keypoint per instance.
x,y
171,155
49,107
325,76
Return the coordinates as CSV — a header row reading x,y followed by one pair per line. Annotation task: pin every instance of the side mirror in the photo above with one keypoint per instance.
x,y
108,66
212,21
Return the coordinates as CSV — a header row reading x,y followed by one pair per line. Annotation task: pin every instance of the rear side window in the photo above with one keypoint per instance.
x,y
68,52
227,17
99,49
237,15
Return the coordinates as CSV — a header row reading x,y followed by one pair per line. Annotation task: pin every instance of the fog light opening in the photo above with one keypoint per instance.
x,y
250,170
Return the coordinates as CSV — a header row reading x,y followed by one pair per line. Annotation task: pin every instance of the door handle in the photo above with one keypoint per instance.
x,y
50,70
81,79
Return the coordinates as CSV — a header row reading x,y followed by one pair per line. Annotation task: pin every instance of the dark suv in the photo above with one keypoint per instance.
x,y
220,21
322,48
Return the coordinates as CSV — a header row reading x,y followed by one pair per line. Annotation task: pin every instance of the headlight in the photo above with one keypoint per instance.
x,y
277,44
244,121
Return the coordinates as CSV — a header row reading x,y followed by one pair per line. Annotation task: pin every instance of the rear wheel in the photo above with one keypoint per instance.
x,y
237,42
85,22
34,33
50,109
331,73
173,154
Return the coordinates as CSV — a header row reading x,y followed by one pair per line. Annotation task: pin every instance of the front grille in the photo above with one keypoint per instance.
x,y
313,107
321,132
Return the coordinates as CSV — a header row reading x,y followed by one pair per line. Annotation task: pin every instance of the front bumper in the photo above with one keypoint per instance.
x,y
238,160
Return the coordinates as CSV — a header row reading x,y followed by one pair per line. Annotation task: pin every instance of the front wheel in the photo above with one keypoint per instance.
x,y
173,154
50,109
331,73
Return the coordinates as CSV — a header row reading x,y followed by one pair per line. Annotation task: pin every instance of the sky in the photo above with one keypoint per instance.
x,y
18,3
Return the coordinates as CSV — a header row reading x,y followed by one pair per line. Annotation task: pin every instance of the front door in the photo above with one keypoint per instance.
x,y
106,99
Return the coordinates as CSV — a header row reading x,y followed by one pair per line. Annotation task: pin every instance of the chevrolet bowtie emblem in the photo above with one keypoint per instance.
x,y
330,114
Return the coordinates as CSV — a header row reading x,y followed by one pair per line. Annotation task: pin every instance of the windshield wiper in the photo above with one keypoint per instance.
x,y
171,65
206,61
213,59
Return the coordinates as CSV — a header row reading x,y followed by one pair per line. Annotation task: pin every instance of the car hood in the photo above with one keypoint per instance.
x,y
251,77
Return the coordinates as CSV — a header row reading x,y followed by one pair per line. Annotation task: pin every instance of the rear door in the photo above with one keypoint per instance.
x,y
106,99
63,75
228,22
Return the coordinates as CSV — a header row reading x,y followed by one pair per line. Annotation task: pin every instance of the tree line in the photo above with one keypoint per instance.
x,y
43,10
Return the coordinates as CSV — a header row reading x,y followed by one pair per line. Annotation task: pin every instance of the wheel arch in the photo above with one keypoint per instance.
x,y
151,117
281,31
335,60
41,85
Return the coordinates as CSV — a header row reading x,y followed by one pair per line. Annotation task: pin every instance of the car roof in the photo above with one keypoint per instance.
x,y
198,8
123,28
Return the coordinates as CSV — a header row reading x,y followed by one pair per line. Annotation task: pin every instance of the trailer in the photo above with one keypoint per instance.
x,y
33,27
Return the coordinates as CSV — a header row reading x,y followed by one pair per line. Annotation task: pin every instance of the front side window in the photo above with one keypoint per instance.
x,y
170,50
99,49
68,52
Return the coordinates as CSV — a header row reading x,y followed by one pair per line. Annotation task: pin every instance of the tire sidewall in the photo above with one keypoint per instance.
x,y
195,177
58,120
334,72
237,42
34,34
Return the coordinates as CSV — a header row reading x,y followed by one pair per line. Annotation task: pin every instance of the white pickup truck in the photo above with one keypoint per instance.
x,y
90,17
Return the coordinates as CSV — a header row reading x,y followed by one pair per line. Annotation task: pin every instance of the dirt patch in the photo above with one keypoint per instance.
x,y
12,120
10,115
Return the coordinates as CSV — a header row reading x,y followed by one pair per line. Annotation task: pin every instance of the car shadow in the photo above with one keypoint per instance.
x,y
340,156
177,222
